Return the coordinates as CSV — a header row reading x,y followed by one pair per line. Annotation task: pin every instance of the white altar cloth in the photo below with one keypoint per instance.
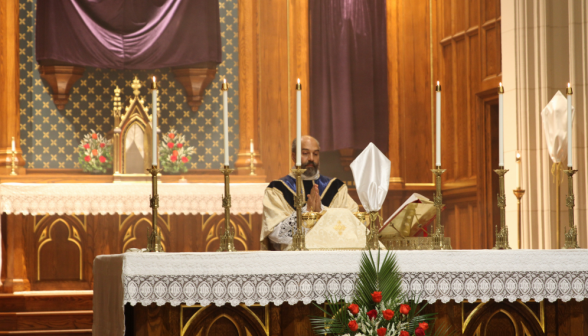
x,y
127,198
278,277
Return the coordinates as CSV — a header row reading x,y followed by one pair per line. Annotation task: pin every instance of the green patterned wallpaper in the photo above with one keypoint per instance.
x,y
49,137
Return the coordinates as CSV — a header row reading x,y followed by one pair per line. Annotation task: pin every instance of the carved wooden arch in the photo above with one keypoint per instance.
x,y
214,226
245,321
127,232
43,235
525,321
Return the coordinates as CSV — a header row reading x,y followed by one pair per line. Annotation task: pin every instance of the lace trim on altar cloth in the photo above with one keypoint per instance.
x,y
307,288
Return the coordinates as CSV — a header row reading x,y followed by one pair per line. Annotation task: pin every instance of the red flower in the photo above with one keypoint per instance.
x,y
353,308
170,145
87,158
102,144
404,309
352,325
419,332
388,314
424,325
404,333
94,136
86,146
382,331
377,297
102,159
173,158
184,159
175,153
180,145
94,152
171,135
372,314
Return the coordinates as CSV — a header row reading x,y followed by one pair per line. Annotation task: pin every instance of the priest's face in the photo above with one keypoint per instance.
x,y
310,156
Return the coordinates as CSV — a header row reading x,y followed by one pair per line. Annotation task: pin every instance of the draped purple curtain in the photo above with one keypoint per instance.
x,y
348,73
128,34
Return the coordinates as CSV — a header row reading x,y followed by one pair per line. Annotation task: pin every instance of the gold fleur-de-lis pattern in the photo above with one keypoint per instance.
x,y
49,137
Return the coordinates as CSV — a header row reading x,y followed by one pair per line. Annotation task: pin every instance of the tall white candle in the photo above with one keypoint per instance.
x,y
13,145
518,159
569,92
154,122
298,121
500,126
438,125
225,88
251,146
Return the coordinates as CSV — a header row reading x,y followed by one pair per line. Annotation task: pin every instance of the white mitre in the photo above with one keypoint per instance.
x,y
337,229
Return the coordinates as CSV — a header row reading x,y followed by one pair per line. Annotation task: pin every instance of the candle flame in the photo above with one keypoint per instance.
x,y
569,85
224,80
298,80
500,84
437,82
518,155
153,79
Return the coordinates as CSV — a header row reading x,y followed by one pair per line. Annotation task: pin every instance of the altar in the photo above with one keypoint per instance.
x,y
538,291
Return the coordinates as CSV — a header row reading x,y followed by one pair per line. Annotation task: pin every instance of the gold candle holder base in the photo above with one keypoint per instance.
x,y
13,163
502,234
438,236
299,238
227,240
519,193
372,239
571,237
154,238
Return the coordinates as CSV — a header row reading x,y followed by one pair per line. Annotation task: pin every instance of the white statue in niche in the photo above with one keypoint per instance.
x,y
134,150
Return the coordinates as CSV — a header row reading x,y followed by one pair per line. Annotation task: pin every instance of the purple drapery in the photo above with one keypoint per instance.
x,y
128,34
348,74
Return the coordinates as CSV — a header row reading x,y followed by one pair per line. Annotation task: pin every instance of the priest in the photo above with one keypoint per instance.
x,y
279,214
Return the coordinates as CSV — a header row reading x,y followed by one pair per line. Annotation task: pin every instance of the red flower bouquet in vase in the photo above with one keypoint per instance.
x,y
379,307
95,153
174,154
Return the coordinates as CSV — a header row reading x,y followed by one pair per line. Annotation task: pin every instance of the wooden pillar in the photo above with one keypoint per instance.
x,y
9,85
16,275
248,89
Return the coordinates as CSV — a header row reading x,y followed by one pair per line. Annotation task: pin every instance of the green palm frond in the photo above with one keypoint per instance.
x,y
378,276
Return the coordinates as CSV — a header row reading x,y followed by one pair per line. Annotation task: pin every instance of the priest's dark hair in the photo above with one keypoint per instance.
x,y
294,143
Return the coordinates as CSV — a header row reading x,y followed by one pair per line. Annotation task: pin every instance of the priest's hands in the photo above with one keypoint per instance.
x,y
314,200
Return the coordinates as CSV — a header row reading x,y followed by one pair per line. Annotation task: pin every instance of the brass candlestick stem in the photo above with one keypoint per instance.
x,y
227,242
13,163
299,239
519,194
372,241
502,234
251,163
439,230
571,237
154,238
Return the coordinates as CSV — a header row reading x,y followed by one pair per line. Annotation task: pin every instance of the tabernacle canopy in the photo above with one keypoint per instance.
x,y
128,34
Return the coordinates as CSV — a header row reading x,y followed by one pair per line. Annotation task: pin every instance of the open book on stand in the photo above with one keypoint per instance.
x,y
411,217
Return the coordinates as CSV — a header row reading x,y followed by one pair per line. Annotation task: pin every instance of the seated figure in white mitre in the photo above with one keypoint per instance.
x,y
322,192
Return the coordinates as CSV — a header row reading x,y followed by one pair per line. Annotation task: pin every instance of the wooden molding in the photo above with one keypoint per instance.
x,y
195,79
61,79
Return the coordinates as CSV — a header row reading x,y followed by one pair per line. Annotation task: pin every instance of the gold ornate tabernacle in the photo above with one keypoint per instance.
x,y
131,136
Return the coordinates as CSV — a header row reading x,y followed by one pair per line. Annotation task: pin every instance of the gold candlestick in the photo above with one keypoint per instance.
x,y
154,238
439,241
519,194
251,163
13,164
227,242
571,237
299,238
502,234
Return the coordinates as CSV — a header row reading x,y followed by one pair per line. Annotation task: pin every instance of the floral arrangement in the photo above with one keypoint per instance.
x,y
173,153
95,153
379,306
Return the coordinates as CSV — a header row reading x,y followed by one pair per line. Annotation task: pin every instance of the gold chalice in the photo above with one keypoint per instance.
x,y
309,219
361,217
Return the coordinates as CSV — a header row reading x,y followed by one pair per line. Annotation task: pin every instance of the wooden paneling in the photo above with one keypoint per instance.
x,y
57,252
